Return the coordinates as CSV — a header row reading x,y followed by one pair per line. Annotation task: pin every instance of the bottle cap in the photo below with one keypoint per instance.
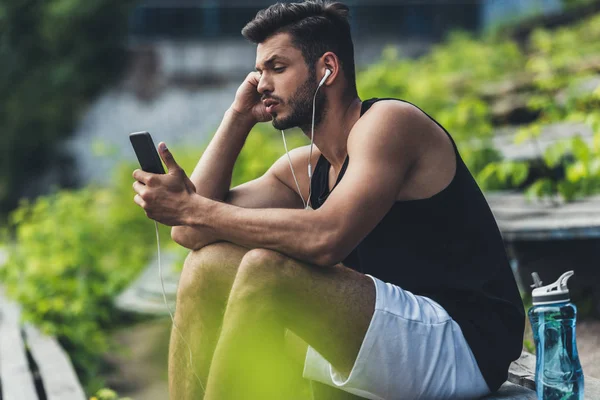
x,y
557,292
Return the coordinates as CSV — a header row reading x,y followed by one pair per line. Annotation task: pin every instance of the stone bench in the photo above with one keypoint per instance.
x,y
521,382
33,366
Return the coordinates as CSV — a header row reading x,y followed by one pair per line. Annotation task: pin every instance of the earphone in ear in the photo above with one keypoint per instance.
x,y
327,73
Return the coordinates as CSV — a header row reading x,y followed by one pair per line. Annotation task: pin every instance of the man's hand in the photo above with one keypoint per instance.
x,y
248,102
165,198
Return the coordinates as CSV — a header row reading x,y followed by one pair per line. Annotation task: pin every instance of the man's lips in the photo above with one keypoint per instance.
x,y
270,105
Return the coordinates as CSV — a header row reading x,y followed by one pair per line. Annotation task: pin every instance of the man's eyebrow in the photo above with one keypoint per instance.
x,y
272,60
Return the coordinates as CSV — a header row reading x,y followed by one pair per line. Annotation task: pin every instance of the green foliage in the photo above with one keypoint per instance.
x,y
263,147
73,254
529,345
500,174
578,158
56,55
560,60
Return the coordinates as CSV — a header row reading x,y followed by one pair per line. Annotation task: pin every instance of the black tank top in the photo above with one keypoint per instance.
x,y
448,248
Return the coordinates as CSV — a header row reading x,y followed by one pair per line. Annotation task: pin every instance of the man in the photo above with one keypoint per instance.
x,y
395,282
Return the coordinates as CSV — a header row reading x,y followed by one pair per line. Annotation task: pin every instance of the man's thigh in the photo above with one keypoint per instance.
x,y
330,308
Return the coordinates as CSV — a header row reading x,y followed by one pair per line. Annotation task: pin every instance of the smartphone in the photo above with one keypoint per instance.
x,y
146,153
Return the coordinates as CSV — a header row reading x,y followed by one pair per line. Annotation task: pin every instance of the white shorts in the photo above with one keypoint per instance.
x,y
412,350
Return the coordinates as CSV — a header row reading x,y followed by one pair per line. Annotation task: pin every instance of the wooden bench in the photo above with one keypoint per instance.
x,y
33,366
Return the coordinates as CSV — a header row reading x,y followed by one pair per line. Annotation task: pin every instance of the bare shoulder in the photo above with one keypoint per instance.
x,y
402,124
405,138
388,125
393,115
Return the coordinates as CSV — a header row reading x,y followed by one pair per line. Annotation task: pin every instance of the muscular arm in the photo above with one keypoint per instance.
x,y
212,175
212,178
382,147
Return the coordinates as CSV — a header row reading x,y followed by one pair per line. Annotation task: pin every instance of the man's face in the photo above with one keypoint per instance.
x,y
287,85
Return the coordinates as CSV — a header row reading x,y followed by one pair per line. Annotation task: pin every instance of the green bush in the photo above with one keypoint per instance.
x,y
263,147
579,160
70,259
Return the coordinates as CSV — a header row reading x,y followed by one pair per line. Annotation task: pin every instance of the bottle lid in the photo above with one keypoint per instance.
x,y
555,293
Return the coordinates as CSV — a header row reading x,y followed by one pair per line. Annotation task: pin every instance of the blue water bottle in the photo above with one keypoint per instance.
x,y
558,373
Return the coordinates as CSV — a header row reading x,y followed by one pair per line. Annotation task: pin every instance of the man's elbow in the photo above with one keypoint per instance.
x,y
330,253
177,234
182,238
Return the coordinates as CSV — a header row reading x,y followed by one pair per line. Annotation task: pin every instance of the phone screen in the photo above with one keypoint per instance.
x,y
146,153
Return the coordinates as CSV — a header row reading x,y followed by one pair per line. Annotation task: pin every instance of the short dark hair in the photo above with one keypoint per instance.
x,y
315,26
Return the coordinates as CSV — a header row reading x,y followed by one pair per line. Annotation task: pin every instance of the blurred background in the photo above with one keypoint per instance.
x,y
516,82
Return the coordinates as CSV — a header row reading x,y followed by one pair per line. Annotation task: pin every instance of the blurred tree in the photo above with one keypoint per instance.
x,y
55,56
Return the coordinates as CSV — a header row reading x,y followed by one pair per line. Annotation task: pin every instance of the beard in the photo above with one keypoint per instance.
x,y
300,105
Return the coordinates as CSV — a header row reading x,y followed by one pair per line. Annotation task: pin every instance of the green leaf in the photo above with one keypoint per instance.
x,y
581,151
567,190
523,134
486,174
576,172
555,153
596,144
520,171
540,188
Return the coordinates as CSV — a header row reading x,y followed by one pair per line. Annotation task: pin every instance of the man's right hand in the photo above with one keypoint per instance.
x,y
248,102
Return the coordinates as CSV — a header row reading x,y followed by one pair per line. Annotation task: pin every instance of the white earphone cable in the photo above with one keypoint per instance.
x,y
292,168
312,141
191,365
306,203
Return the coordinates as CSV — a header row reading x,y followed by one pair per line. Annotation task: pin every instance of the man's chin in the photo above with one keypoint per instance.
x,y
282,124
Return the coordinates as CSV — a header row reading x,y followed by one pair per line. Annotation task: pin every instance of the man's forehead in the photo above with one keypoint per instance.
x,y
277,46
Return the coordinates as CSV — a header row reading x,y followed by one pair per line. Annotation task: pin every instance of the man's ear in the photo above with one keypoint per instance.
x,y
328,61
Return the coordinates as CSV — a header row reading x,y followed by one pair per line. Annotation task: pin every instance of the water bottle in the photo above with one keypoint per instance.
x,y
558,373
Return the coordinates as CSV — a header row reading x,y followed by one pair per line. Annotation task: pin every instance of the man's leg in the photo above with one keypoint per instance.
x,y
204,288
330,308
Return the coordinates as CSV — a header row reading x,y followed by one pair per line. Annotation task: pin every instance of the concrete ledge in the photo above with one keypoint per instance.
x,y
521,382
511,391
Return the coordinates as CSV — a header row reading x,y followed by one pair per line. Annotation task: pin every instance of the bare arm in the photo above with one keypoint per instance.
x,y
382,147
272,190
212,175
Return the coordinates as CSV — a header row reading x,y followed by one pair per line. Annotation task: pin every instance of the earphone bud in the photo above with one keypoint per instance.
x,y
327,73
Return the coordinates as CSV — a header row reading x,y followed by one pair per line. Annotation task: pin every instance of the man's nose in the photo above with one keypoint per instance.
x,y
264,84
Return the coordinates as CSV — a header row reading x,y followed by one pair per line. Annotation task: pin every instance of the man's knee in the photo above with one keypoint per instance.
x,y
262,274
210,268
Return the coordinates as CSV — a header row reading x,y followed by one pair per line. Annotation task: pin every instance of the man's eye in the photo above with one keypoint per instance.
x,y
279,69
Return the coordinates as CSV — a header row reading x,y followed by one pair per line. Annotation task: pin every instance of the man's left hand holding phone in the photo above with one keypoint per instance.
x,y
165,197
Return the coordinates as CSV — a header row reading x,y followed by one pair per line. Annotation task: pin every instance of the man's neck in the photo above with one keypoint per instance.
x,y
331,135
